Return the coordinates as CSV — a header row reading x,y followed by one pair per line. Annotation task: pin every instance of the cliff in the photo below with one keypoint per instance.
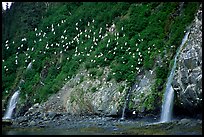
x,y
102,61
188,77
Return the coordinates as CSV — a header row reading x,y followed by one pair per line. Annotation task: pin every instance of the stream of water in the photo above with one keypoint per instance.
x,y
11,105
167,105
127,100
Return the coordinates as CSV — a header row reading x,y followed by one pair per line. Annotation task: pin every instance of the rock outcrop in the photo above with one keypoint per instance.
x,y
188,77
84,94
139,96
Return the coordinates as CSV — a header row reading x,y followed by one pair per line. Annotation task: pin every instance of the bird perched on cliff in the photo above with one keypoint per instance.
x,y
151,71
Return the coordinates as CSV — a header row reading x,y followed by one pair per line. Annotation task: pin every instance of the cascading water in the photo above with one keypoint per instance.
x,y
125,105
167,105
11,105
127,100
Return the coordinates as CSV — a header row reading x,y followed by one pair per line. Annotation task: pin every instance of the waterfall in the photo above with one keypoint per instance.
x,y
125,105
11,105
127,100
167,105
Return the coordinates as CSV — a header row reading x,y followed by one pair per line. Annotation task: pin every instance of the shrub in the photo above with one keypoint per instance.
x,y
93,72
93,89
109,77
99,73
161,72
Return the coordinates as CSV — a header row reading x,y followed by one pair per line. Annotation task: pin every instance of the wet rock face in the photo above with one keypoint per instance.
x,y
188,77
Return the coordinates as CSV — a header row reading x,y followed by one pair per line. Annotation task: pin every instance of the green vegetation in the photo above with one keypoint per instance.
x,y
60,38
93,89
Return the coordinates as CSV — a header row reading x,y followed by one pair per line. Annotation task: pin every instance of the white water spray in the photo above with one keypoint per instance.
x,y
167,105
11,105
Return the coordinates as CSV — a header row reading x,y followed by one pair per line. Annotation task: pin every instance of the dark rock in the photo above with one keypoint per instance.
x,y
175,83
7,122
184,121
199,82
194,75
184,78
51,115
191,63
32,123
190,92
199,15
100,124
22,109
41,126
188,78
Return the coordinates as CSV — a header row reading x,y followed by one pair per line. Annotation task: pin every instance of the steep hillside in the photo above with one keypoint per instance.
x,y
97,50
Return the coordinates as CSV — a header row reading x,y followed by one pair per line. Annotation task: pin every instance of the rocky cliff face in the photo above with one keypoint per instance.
x,y
188,77
84,94
141,98
88,94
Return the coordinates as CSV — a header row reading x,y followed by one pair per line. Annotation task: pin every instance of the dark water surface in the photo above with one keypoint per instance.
x,y
126,127
44,131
